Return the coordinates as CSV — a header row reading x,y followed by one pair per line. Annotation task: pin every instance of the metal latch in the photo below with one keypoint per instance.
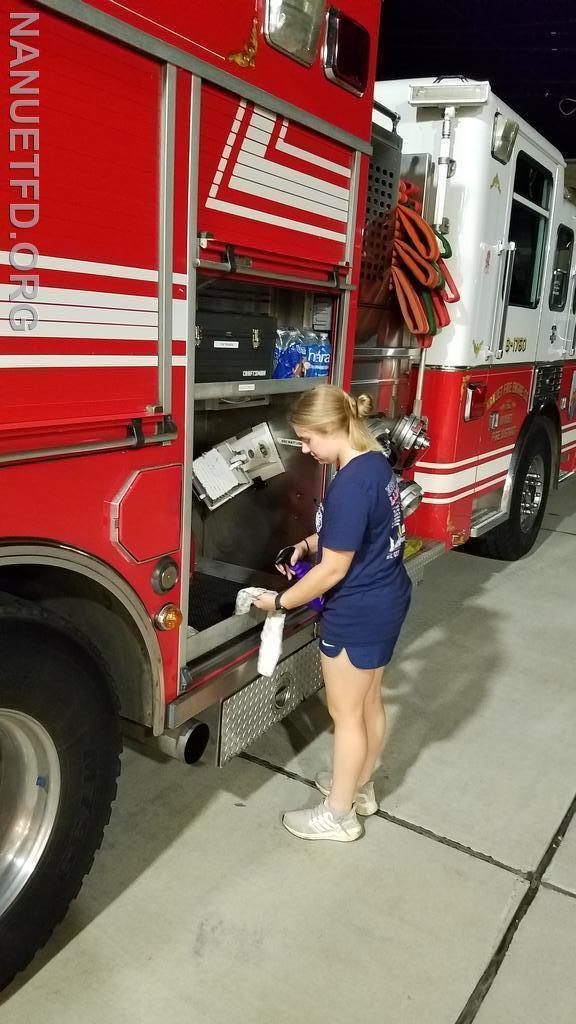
x,y
255,337
198,332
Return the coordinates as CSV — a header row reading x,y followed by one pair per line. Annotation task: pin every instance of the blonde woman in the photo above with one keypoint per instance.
x,y
359,542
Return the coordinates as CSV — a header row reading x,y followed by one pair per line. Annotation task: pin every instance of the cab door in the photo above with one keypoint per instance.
x,y
531,207
554,342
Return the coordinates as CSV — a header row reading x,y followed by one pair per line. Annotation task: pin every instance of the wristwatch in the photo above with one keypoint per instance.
x,y
278,603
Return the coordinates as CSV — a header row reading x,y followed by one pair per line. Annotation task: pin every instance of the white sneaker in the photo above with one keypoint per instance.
x,y
320,823
365,801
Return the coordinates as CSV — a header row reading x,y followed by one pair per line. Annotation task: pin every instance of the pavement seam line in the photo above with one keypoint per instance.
x,y
565,533
488,976
559,888
400,822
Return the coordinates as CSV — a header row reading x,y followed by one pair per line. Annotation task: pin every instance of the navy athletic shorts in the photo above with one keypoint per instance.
x,y
364,656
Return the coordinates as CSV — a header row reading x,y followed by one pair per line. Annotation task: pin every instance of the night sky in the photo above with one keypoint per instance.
x,y
527,51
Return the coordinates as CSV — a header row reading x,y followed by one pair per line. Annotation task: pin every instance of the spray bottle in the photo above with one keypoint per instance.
x,y
298,571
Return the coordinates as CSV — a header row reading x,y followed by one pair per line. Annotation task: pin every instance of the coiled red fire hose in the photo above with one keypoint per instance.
x,y
419,277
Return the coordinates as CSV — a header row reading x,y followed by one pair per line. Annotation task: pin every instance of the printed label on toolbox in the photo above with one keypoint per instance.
x,y
226,344
246,387
253,373
289,442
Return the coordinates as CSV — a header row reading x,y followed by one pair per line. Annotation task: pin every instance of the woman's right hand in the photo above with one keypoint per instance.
x,y
301,551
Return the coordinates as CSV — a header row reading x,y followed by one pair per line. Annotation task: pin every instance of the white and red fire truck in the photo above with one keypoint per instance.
x,y
498,385
181,189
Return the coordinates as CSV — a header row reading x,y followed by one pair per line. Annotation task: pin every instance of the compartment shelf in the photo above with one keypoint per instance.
x,y
244,389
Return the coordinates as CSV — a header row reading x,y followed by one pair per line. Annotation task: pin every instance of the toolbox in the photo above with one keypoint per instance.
x,y
234,346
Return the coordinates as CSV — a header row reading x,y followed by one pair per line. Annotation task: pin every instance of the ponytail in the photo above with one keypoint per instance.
x,y
329,410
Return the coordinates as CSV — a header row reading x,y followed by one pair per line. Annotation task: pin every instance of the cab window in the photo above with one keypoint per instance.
x,y
529,229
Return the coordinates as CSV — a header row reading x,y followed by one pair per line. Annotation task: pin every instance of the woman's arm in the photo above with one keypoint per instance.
x,y
321,578
312,543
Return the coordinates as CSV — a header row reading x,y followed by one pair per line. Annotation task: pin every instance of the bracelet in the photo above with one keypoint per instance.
x,y
307,545
278,603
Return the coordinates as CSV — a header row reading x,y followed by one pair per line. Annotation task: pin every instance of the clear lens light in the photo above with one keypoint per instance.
x,y
450,94
169,577
294,26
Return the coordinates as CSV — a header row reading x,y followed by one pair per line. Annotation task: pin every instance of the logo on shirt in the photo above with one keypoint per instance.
x,y
319,517
397,543
398,534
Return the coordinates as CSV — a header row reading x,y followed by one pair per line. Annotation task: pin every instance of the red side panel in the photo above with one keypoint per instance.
x,y
466,459
89,365
567,401
269,186
221,33
96,235
146,514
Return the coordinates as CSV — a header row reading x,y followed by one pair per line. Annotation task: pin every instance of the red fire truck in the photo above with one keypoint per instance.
x,y
180,185
185,195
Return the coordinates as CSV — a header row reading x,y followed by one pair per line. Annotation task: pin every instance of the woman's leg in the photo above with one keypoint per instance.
x,y
346,690
375,723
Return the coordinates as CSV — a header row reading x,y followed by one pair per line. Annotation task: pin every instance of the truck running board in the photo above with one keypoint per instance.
x,y
486,520
416,564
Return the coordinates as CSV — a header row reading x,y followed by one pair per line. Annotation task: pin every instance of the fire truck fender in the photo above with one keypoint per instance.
x,y
102,607
546,418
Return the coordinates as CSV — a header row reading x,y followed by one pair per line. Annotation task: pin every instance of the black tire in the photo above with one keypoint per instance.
x,y
514,538
52,685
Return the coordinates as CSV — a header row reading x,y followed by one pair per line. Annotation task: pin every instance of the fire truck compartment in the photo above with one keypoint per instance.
x,y
211,603
211,600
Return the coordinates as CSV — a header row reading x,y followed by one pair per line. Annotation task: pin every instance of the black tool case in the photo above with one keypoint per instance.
x,y
234,347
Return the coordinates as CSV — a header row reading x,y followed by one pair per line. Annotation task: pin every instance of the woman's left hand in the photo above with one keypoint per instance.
x,y
265,602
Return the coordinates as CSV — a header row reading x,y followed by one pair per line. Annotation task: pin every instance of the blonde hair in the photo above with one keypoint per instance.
x,y
329,410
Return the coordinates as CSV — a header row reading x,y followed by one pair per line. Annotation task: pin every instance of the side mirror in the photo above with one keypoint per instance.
x,y
504,135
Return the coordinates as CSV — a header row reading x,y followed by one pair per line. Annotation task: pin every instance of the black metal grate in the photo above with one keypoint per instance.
x,y
379,222
211,600
548,382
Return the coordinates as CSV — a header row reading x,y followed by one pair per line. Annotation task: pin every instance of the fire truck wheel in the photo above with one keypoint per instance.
x,y
59,761
514,538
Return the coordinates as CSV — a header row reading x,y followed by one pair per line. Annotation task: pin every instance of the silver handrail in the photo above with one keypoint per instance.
x,y
372,355
166,238
226,267
168,433
395,118
507,285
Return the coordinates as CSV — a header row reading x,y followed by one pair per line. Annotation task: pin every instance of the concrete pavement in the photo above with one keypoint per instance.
x,y
457,906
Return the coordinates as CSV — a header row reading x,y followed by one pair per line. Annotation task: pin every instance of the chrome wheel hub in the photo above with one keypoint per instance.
x,y
29,797
532,493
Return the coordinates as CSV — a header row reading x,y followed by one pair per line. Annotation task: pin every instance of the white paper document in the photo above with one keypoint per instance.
x,y
214,474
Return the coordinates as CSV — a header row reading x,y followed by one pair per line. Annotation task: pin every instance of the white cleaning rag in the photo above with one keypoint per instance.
x,y
271,637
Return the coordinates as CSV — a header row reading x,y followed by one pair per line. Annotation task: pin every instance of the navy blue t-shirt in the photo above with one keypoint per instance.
x,y
362,512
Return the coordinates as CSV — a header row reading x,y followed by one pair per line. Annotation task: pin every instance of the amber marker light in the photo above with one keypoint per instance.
x,y
169,617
